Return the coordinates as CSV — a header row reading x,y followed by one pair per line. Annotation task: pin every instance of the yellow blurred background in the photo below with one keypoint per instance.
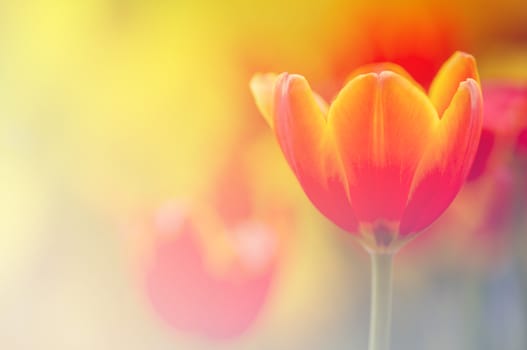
x,y
109,109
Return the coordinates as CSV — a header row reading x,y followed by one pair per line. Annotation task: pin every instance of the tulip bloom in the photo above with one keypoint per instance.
x,y
385,159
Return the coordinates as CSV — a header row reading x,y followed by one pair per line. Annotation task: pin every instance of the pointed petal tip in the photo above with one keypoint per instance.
x,y
457,69
382,73
462,54
259,79
290,84
383,68
470,63
389,74
466,61
462,57
262,86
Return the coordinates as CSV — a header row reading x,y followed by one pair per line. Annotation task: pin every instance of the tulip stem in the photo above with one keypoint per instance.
x,y
381,300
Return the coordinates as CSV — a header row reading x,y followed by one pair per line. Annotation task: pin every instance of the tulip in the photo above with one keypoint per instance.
x,y
384,160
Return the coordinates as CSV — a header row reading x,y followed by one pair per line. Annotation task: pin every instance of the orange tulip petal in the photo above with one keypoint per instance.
x,y
458,68
262,88
381,123
447,161
300,126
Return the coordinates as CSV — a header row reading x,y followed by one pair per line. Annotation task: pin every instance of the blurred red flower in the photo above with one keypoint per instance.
x,y
419,38
191,295
208,269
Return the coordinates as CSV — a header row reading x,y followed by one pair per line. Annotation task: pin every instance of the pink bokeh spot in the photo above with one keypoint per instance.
x,y
504,124
486,144
193,299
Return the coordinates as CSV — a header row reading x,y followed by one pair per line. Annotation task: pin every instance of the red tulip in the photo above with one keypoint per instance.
x,y
419,38
385,159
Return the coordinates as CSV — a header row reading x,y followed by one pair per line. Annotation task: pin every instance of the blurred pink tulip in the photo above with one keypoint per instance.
x,y
192,297
208,268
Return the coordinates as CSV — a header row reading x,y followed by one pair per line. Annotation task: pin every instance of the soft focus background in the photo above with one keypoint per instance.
x,y
144,203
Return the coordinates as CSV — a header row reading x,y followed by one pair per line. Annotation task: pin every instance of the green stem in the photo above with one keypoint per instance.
x,y
381,300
